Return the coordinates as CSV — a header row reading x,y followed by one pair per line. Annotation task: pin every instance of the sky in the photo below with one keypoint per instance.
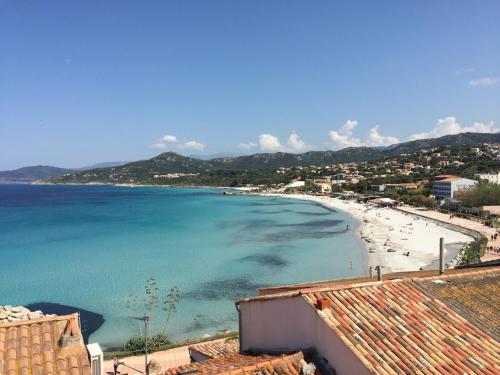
x,y
83,82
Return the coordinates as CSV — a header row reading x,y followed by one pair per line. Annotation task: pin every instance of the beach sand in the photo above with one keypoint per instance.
x,y
389,234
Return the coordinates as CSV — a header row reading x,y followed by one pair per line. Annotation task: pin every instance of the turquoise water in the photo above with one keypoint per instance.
x,y
92,246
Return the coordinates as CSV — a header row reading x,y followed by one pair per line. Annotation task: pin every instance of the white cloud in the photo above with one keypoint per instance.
x,y
450,125
192,145
158,145
485,81
270,143
172,141
343,137
247,146
169,139
377,139
295,144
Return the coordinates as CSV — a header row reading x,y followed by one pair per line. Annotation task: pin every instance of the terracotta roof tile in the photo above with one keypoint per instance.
x,y
398,327
33,347
242,364
217,348
470,297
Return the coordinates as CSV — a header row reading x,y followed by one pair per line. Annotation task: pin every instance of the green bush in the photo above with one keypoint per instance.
x,y
136,344
474,251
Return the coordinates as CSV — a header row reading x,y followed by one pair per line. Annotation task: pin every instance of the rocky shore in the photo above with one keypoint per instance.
x,y
10,314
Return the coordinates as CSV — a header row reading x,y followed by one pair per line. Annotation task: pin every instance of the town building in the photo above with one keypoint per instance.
x,y
491,177
406,325
296,363
377,189
324,185
447,187
295,184
47,345
209,350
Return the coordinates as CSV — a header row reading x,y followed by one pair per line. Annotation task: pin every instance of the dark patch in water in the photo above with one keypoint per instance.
x,y
299,235
273,203
259,211
224,289
90,320
273,261
202,322
247,224
255,230
311,224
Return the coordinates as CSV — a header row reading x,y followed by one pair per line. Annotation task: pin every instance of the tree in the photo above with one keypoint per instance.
x,y
150,300
170,306
484,193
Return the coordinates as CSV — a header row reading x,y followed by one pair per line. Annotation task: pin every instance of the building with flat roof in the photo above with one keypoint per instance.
x,y
324,185
447,187
491,177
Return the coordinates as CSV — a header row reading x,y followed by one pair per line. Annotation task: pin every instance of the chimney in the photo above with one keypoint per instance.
x,y
323,303
371,272
441,255
379,273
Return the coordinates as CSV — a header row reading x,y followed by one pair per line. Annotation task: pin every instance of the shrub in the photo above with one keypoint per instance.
x,y
136,344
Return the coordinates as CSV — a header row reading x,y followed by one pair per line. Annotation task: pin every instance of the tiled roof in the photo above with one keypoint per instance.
x,y
217,348
245,364
473,297
364,279
43,346
393,327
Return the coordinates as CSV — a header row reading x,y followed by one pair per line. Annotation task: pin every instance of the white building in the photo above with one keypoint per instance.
x,y
324,184
295,184
446,188
493,178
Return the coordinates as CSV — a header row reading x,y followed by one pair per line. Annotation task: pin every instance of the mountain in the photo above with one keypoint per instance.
x,y
32,173
217,155
43,172
171,162
447,140
103,165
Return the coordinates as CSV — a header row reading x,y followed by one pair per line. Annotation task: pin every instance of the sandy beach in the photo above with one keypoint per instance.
x,y
390,234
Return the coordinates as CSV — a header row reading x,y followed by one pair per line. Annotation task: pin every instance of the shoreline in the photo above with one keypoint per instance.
x,y
385,233
388,234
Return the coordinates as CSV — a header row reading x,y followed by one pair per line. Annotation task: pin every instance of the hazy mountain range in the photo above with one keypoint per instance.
x,y
42,172
170,162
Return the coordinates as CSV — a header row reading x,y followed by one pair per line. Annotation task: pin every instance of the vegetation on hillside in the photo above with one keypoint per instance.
x,y
261,168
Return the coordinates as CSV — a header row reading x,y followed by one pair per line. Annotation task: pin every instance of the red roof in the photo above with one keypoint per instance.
x,y
245,364
217,348
394,327
51,345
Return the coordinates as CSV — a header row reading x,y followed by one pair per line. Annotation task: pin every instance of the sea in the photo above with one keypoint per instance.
x,y
93,248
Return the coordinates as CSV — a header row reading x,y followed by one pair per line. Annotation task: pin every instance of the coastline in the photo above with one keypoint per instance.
x,y
388,234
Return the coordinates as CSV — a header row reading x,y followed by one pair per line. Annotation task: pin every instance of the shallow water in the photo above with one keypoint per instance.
x,y
93,246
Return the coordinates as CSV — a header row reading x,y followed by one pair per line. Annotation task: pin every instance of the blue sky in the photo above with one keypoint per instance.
x,y
93,81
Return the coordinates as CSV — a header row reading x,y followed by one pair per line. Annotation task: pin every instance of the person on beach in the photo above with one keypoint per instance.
x,y
116,363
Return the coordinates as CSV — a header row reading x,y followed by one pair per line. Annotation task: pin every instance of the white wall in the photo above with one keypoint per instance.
x,y
289,324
